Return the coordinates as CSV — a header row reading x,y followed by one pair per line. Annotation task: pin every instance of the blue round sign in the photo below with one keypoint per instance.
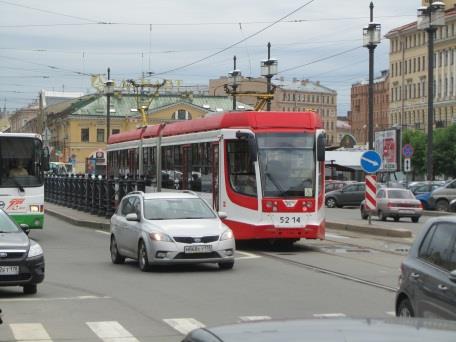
x,y
371,161
407,151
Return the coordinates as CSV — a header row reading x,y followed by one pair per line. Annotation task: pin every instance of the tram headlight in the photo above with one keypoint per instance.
x,y
227,235
34,208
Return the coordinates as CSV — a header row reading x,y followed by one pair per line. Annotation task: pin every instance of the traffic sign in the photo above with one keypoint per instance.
x,y
407,165
371,161
407,151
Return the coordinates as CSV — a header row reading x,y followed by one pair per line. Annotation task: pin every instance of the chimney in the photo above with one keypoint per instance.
x,y
295,80
282,79
318,82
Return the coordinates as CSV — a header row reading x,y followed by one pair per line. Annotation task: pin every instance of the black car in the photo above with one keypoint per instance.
x,y
334,330
351,195
21,259
428,274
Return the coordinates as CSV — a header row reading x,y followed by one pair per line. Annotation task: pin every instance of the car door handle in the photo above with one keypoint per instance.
x,y
442,287
415,275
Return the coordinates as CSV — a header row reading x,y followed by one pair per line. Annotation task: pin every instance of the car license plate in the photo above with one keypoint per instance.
x,y
9,270
406,211
289,221
198,249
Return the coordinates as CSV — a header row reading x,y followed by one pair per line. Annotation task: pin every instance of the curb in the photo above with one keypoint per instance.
x,y
437,213
379,231
78,222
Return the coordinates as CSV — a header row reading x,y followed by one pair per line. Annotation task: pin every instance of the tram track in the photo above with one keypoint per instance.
x,y
328,272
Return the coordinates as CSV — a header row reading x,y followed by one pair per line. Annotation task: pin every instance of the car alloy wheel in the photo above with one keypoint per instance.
x,y
331,202
405,309
442,205
116,258
143,260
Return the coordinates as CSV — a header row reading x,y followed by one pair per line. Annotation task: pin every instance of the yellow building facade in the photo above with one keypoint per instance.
x,y
78,126
408,73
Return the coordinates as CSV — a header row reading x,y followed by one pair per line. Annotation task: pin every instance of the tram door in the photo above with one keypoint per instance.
x,y
215,175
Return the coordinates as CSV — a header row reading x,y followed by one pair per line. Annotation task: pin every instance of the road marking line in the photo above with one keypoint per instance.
x,y
391,313
103,232
51,299
111,331
184,325
254,318
335,236
247,256
29,332
329,315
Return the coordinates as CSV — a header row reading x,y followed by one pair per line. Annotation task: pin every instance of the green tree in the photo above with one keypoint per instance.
x,y
418,141
444,154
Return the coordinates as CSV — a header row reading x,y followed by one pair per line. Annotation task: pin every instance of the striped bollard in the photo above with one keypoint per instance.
x,y
371,194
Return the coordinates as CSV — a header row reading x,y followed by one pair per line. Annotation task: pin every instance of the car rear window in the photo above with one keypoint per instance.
x,y
400,194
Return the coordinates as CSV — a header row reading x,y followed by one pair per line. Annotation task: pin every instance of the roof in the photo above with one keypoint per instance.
x,y
126,104
152,195
413,26
304,86
255,120
345,158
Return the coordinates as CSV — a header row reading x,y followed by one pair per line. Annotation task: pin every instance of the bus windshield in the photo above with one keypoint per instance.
x,y
287,164
20,161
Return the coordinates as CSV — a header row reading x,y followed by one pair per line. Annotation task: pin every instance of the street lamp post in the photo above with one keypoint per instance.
x,y
235,77
371,38
109,90
268,70
429,19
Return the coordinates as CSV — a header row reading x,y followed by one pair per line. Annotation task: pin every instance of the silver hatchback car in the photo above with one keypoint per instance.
x,y
169,228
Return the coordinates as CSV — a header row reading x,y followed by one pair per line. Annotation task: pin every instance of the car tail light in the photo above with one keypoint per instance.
x,y
390,205
420,205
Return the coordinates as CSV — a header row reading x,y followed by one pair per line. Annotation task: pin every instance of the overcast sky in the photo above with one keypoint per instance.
x,y
46,44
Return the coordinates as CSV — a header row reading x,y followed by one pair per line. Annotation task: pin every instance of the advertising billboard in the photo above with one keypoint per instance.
x,y
387,144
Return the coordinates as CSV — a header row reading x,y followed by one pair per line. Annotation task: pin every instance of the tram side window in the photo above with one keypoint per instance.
x,y
240,168
171,167
201,168
150,166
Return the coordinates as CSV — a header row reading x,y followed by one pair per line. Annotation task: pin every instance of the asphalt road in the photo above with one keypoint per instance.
x,y
86,298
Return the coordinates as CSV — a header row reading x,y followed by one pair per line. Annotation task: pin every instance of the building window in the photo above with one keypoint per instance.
x,y
115,131
100,135
84,134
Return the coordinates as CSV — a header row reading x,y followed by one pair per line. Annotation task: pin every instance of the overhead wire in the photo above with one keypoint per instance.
x,y
237,43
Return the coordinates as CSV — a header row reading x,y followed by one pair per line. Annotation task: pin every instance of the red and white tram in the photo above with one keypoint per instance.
x,y
265,170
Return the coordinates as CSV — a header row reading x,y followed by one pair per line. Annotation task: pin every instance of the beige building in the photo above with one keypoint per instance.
x,y
360,107
20,118
408,73
295,95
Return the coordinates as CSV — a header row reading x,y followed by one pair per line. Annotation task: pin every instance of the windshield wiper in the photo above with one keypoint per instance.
x,y
19,185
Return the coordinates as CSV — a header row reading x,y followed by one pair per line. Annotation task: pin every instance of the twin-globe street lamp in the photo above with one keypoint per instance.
x,y
269,68
429,19
371,38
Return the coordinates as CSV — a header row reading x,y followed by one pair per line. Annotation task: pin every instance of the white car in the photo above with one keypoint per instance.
x,y
170,228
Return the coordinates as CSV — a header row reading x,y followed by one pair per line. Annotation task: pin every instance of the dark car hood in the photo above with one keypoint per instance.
x,y
326,330
14,240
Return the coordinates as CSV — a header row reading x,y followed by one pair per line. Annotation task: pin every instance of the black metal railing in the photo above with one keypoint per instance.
x,y
96,195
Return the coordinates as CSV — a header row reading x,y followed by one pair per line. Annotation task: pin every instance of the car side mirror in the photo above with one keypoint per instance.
x,y
132,217
453,276
222,215
25,228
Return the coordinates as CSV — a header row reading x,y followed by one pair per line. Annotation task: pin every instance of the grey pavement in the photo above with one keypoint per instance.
x,y
340,219
82,286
